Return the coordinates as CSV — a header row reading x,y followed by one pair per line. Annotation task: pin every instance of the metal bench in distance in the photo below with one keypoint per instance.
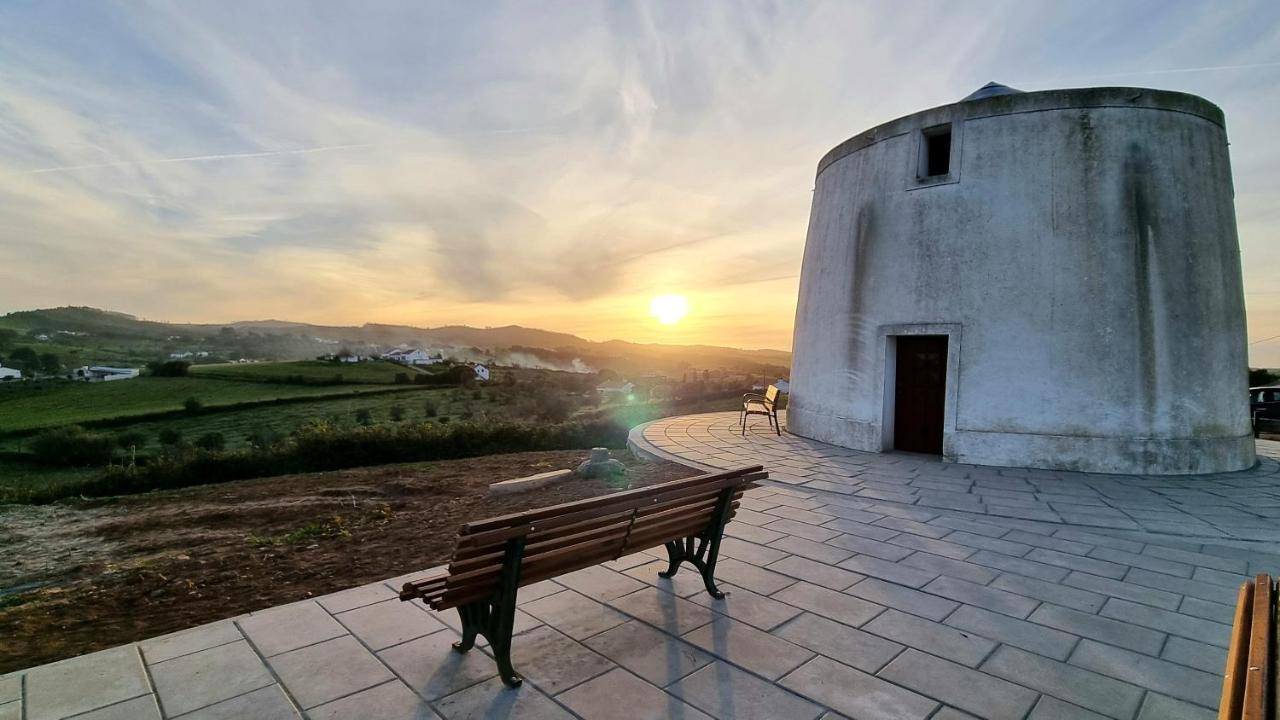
x,y
494,558
757,404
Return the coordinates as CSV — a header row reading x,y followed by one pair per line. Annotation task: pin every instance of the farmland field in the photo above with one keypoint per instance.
x,y
317,371
30,406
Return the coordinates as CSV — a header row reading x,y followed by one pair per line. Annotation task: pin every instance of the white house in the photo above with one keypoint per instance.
x,y
101,373
350,358
482,372
413,356
615,389
10,374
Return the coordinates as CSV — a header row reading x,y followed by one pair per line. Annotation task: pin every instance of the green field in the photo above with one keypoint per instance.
x,y
312,371
27,406
237,425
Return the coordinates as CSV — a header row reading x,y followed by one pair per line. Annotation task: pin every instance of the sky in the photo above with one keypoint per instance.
x,y
548,164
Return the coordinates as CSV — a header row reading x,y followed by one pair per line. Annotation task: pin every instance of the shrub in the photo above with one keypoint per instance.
x,y
131,439
397,413
444,420
211,441
363,416
263,438
171,368
430,409
402,378
72,446
192,405
169,436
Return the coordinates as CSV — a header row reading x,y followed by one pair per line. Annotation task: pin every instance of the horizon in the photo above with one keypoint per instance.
x,y
554,167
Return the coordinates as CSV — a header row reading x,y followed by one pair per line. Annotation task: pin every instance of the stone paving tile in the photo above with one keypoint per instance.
x,y
951,550
1216,612
388,623
941,640
911,527
1173,623
10,688
1193,588
1209,658
1123,590
650,653
1140,560
831,604
862,530
684,583
800,529
751,577
185,642
602,697
192,681
842,643
578,616
11,710
329,670
140,708
765,654
1050,592
724,691
1050,543
432,669
389,701
1020,566
815,572
885,570
756,610
492,699
961,569
83,683
1089,690
960,686
903,598
600,583
1159,707
1018,633
1097,627
665,611
1051,708
357,597
268,703
289,627
867,546
749,551
752,533
1167,678
554,662
855,693
982,596
1115,571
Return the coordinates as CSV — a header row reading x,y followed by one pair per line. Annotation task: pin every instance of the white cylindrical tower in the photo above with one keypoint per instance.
x,y
1045,279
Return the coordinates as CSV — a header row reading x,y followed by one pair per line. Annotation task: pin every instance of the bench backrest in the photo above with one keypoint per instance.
x,y
562,538
771,395
1248,684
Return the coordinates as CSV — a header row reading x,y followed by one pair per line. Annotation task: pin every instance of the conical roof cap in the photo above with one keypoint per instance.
x,y
991,89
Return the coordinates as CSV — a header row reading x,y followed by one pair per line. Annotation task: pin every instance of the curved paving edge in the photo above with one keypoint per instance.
x,y
1230,510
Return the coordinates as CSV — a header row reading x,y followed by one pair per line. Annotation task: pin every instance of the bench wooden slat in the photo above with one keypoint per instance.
x,y
1257,683
530,516
1237,656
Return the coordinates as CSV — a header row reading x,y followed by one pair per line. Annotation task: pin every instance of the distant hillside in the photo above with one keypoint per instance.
x,y
285,340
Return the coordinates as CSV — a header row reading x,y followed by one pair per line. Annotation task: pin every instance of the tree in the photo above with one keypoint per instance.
x,y
170,368
211,441
7,338
1261,376
363,416
170,436
429,408
131,439
402,378
397,413
50,363
25,359
192,405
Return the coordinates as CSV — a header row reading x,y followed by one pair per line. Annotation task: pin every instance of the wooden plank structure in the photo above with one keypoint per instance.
x,y
1249,682
757,404
495,557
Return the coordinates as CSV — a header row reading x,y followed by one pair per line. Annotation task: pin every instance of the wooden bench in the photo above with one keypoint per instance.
x,y
757,404
1249,682
495,557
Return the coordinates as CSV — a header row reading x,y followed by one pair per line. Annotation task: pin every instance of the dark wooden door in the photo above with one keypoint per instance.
x,y
920,394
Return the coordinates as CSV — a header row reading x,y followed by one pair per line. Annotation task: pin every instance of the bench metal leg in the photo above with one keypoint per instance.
x,y
702,550
494,618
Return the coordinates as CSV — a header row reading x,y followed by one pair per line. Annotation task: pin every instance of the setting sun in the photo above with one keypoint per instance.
x,y
669,309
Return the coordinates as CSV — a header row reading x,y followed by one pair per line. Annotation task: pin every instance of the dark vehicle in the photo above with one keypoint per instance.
x,y
1264,402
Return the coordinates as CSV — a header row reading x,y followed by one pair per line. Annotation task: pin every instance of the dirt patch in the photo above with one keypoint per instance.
x,y
94,574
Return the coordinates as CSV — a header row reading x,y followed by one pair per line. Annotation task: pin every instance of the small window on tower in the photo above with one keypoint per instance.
x,y
936,158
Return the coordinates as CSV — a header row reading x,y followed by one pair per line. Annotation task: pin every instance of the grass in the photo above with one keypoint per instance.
x,y
313,371
19,480
29,406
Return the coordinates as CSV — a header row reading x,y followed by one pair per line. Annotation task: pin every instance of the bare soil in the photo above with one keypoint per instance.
x,y
80,577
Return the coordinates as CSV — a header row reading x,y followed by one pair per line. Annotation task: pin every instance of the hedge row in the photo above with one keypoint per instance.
x,y
322,446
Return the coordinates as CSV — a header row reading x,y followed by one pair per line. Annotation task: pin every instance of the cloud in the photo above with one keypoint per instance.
x,y
544,164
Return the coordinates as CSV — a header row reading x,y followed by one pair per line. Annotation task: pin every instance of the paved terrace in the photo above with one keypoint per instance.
x,y
862,586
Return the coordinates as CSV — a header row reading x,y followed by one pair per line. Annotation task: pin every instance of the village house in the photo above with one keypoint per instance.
x,y
615,389
482,372
412,356
10,374
101,373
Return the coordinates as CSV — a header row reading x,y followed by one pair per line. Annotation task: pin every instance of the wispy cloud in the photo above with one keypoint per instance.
x,y
199,158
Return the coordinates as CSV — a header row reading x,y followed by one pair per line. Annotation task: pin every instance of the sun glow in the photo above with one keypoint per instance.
x,y
669,309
